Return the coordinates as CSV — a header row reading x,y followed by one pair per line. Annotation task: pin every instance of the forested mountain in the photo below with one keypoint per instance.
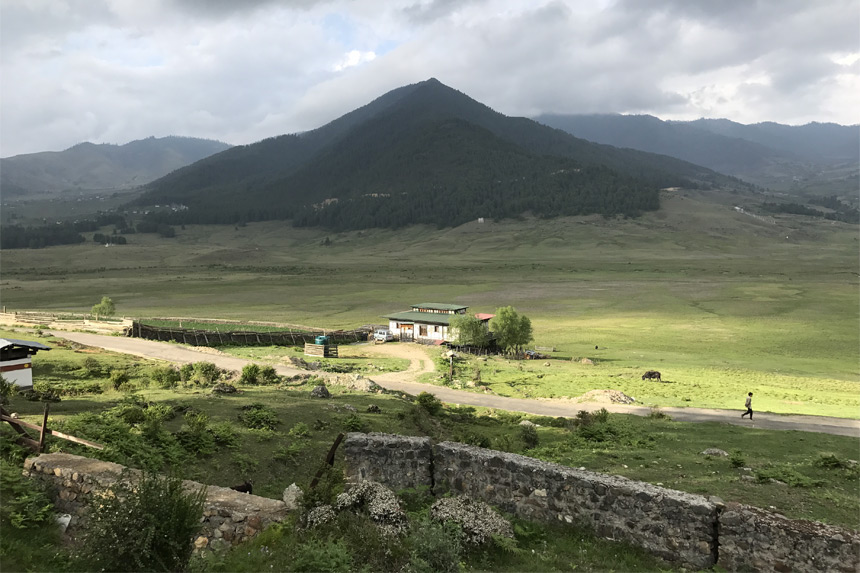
x,y
759,152
424,153
89,167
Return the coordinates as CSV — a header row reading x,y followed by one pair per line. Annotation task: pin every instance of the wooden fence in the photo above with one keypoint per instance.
x,y
287,337
38,446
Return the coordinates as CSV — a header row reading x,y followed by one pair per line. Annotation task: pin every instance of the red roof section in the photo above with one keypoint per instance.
x,y
484,316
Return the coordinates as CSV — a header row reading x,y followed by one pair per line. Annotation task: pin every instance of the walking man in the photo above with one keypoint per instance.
x,y
748,404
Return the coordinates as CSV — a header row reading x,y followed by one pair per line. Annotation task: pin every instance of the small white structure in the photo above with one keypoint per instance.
x,y
427,322
16,364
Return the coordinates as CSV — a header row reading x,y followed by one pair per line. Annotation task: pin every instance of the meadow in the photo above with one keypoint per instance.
x,y
720,302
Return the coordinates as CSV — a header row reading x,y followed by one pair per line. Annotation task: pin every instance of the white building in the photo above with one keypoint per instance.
x,y
427,322
16,364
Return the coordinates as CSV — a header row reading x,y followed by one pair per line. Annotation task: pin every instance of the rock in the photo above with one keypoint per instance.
x,y
748,478
528,423
776,482
223,388
293,496
546,363
63,520
374,409
587,361
201,543
715,452
320,392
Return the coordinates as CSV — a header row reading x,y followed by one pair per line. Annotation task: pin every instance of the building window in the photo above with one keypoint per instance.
x,y
422,330
435,329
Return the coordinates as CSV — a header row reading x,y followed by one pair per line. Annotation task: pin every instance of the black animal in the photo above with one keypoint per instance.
x,y
652,375
246,487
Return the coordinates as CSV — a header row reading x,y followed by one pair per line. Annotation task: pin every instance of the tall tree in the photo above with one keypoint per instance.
x,y
470,330
512,330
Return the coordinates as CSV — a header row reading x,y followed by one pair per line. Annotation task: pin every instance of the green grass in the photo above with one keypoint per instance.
x,y
351,358
719,302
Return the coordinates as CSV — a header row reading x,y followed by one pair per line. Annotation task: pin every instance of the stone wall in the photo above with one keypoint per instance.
x,y
399,462
751,538
229,517
690,530
676,526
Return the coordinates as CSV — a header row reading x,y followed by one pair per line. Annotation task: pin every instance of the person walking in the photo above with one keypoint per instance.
x,y
748,404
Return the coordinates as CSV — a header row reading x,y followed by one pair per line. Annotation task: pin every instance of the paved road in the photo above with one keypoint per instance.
x,y
182,354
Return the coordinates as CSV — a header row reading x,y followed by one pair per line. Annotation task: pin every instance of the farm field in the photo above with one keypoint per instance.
x,y
719,302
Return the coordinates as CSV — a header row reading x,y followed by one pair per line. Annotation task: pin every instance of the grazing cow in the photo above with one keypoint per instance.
x,y
652,375
246,487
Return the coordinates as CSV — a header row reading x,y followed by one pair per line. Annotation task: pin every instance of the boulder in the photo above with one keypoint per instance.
x,y
293,496
715,452
320,392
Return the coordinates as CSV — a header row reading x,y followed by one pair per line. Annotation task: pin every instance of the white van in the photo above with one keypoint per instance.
x,y
383,335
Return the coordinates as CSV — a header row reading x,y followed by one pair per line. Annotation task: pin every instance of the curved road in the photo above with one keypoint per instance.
x,y
420,363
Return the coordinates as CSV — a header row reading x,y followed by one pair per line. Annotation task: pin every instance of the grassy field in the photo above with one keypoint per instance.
x,y
275,435
719,302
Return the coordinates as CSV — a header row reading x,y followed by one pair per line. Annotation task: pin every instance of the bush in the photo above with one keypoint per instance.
x,y
195,436
118,378
269,376
429,402
205,373
186,372
165,376
224,434
353,424
529,436
147,525
737,460
435,547
92,366
25,504
300,430
258,416
250,374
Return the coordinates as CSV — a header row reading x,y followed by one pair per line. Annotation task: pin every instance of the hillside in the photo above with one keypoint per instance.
x,y
88,167
423,153
770,154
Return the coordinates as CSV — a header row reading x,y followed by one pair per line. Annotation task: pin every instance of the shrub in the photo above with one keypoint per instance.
x,y
195,436
186,371
250,374
737,460
118,378
269,376
224,434
205,373
479,522
25,504
92,366
246,463
353,424
258,416
657,414
435,547
300,430
429,402
165,376
147,525
529,436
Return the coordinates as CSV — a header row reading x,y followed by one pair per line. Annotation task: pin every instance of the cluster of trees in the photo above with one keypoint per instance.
x,y
842,212
109,239
509,330
19,237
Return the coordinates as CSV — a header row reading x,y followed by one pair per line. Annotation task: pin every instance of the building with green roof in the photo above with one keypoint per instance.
x,y
427,322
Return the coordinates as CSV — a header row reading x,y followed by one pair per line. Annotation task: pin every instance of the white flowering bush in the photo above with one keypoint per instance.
x,y
319,515
380,503
478,521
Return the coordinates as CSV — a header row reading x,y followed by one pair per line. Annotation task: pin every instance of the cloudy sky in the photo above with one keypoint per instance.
x,y
111,71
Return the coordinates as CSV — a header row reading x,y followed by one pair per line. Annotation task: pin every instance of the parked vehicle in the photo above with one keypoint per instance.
x,y
383,335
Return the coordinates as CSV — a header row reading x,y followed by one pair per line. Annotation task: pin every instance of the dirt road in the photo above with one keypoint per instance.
x,y
420,363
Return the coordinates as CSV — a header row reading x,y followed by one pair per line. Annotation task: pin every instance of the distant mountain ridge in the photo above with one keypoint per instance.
x,y
761,153
423,153
88,166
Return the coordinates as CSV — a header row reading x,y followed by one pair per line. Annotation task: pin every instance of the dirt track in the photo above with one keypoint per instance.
x,y
420,363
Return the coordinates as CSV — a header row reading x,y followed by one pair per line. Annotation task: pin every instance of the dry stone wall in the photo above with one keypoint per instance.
x,y
229,517
751,538
690,530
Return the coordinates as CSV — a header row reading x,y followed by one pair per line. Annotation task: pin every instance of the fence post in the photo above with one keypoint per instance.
x,y
44,428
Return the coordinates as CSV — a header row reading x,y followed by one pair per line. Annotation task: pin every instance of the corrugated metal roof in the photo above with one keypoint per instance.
x,y
484,316
4,342
439,306
424,317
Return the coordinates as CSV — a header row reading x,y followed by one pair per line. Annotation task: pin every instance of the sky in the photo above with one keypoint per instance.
x,y
112,71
